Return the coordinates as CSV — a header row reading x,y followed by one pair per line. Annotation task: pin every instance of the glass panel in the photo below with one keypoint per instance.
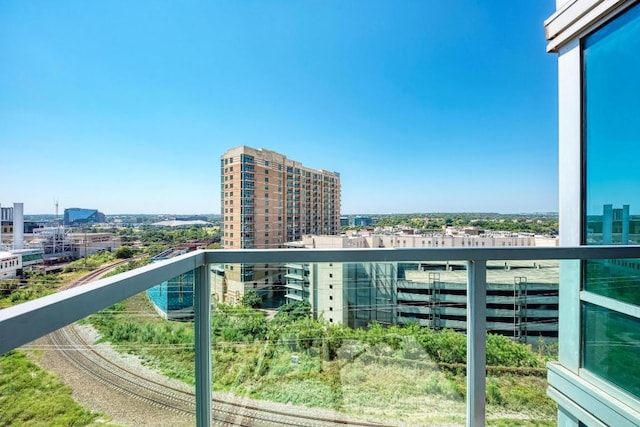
x,y
329,342
611,346
384,341
614,278
376,341
612,133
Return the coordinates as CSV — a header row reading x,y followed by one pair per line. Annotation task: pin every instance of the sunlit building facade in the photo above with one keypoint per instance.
x,y
596,381
268,200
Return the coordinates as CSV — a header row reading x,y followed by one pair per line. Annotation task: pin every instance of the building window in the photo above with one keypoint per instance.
x,y
611,136
610,346
611,94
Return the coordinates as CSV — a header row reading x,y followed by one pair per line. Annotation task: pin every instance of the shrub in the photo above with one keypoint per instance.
x,y
124,252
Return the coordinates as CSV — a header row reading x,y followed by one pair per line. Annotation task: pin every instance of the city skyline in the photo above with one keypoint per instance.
x,y
426,107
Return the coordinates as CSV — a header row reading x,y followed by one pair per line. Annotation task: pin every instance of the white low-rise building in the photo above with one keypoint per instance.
x,y
10,265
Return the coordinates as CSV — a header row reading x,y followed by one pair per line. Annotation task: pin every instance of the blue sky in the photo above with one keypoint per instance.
x,y
422,106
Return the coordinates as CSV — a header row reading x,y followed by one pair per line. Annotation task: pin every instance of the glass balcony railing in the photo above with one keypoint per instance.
x,y
401,336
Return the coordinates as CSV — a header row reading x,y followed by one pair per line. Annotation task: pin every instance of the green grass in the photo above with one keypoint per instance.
x,y
30,396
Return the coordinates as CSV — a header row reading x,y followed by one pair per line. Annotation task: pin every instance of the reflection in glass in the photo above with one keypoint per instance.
x,y
612,132
612,150
611,346
614,278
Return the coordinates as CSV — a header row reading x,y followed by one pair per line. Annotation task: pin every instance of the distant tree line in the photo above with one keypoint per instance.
x,y
149,235
544,224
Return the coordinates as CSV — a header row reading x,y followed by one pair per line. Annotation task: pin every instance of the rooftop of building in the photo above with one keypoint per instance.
x,y
271,156
506,273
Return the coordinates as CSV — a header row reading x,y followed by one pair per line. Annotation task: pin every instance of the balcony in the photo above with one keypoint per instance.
x,y
37,318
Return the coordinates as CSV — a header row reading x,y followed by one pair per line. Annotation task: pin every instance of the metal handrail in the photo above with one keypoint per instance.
x,y
28,321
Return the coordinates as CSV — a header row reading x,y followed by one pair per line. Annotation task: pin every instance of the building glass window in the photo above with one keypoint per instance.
x,y
611,210
611,348
611,134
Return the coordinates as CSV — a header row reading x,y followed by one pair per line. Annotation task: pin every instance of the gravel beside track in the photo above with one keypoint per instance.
x,y
119,408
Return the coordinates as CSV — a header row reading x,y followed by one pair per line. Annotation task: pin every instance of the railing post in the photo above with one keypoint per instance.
x,y
202,308
476,342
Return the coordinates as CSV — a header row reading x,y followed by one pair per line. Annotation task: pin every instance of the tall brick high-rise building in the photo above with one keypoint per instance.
x,y
269,199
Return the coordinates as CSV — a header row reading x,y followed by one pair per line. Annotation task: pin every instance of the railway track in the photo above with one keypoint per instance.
x,y
88,359
227,412
95,274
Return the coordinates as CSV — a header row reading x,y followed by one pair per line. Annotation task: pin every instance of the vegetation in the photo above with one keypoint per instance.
x,y
149,235
30,396
411,373
294,310
124,252
34,285
90,262
37,284
131,265
251,299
